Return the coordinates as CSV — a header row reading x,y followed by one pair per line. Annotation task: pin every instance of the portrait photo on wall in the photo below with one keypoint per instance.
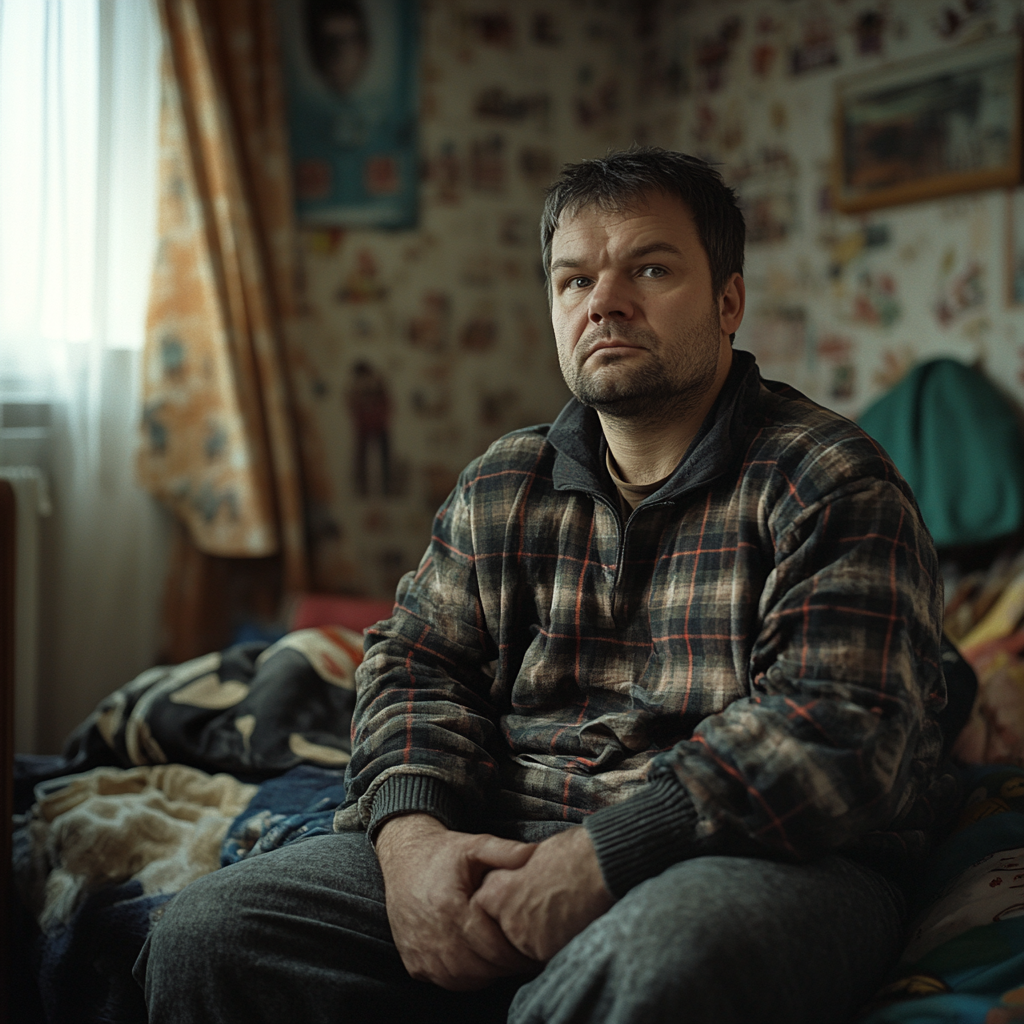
x,y
350,74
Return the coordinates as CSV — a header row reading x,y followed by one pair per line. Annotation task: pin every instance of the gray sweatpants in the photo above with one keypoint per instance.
x,y
302,934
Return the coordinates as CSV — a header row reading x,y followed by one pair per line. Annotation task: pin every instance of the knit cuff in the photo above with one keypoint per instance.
x,y
414,794
644,834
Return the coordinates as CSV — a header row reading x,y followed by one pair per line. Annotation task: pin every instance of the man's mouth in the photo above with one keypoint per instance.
x,y
606,344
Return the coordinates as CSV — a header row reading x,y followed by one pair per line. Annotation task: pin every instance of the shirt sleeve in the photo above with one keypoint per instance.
x,y
424,729
838,737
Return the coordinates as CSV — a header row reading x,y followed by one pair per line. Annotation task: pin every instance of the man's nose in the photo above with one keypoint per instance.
x,y
611,300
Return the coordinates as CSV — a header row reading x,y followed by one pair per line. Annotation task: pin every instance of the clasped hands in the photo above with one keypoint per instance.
x,y
467,909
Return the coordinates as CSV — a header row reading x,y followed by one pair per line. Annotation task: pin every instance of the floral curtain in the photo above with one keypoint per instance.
x,y
220,446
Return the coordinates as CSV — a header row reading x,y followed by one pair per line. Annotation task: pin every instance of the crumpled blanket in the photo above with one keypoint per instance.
x,y
252,710
994,734
162,826
984,617
964,962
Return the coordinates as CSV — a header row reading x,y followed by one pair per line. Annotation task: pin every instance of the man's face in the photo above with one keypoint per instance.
x,y
349,51
639,331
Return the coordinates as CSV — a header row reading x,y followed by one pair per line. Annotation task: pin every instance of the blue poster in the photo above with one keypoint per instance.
x,y
350,74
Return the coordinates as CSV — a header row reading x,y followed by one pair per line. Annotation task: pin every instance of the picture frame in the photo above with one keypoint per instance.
x,y
946,123
351,71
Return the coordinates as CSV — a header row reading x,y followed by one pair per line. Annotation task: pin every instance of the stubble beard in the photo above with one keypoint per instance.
x,y
658,388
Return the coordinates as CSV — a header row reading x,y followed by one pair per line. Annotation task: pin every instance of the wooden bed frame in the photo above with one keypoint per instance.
x,y
8,519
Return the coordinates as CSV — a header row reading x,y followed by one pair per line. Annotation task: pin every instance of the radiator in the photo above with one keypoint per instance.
x,y
33,500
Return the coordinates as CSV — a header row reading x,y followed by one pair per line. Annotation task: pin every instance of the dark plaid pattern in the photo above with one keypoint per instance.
x,y
764,630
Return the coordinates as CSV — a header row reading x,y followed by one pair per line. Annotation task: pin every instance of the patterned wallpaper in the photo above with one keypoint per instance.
x,y
418,348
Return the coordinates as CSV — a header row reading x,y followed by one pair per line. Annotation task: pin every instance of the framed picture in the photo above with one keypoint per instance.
x,y
350,69
946,123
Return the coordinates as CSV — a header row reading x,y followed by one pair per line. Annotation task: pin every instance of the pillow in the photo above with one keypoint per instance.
x,y
355,613
252,710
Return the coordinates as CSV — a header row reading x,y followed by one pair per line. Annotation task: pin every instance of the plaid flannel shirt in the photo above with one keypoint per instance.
x,y
750,664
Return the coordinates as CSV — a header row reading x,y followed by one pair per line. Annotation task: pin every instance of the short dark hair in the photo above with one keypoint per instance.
x,y
321,48
622,180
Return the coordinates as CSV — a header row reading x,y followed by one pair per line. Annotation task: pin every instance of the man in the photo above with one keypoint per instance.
x,y
338,42
698,616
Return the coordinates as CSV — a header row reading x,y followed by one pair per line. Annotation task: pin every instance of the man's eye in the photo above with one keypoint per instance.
x,y
577,282
653,272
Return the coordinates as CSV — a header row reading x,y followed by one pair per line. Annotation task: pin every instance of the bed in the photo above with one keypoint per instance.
x,y
188,768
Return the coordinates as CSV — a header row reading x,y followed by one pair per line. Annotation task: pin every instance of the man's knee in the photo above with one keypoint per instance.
x,y
273,937
649,955
197,935
722,939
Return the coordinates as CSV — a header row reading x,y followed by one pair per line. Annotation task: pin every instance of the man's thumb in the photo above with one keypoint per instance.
x,y
493,852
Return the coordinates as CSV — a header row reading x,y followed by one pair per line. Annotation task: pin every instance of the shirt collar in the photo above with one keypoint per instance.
x,y
580,445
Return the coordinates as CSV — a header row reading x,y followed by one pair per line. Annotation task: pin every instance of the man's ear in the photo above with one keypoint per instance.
x,y
731,304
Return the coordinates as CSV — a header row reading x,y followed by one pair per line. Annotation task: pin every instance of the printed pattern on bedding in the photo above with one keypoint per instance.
x,y
964,962
296,805
251,710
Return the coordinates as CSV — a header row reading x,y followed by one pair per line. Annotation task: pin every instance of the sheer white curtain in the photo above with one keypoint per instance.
x,y
79,106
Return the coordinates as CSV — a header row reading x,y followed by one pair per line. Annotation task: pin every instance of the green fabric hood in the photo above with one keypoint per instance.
x,y
957,443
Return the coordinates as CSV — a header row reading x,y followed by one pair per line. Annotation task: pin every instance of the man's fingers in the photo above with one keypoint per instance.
x,y
462,967
461,972
464,973
495,898
552,898
470,973
486,939
430,875
493,852
491,894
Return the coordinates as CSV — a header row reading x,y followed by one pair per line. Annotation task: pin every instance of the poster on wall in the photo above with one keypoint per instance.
x,y
350,74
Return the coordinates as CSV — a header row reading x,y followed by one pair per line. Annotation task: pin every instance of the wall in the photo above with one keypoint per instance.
x,y
841,306
450,323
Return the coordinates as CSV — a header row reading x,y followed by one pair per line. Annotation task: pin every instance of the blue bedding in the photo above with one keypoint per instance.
x,y
277,715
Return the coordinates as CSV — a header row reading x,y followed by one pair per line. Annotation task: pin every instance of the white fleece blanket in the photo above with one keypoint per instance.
x,y
160,825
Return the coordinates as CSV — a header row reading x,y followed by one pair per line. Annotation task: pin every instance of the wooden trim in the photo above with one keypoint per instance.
x,y
931,188
1009,241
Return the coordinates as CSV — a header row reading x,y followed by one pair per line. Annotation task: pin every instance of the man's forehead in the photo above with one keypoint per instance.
x,y
650,212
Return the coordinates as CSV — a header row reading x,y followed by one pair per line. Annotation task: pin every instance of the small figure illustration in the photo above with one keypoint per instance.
x,y
370,404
